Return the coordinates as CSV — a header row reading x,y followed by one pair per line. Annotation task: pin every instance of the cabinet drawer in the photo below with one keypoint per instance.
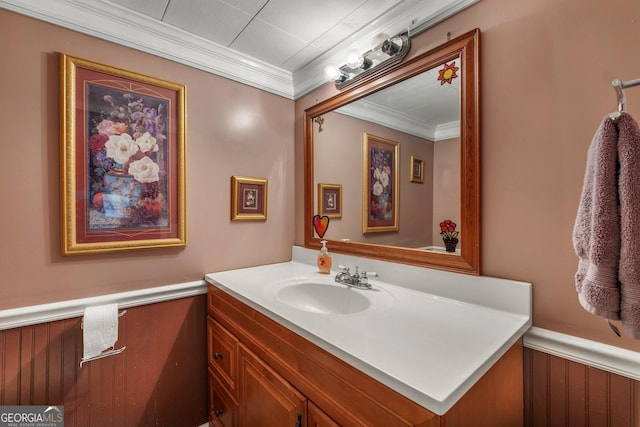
x,y
223,409
223,354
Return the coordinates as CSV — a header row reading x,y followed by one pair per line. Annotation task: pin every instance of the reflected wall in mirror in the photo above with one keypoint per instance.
x,y
430,106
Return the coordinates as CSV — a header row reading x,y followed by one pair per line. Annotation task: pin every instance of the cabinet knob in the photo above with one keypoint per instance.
x,y
218,412
217,356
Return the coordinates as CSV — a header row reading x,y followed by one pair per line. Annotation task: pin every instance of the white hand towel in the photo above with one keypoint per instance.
x,y
100,329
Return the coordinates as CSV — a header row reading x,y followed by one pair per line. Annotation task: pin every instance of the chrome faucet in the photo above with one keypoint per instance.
x,y
356,280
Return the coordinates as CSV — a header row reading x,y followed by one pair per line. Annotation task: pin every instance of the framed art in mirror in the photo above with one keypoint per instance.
x,y
122,159
442,152
416,173
330,200
380,184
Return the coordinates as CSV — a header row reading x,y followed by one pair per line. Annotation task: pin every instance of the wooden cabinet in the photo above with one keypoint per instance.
x,y
223,408
317,418
262,373
267,399
238,375
222,349
223,359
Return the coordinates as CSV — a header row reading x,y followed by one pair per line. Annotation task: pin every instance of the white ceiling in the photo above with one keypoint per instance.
x,y
284,33
281,46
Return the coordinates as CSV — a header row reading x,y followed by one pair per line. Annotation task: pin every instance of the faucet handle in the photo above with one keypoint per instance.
x,y
344,268
364,280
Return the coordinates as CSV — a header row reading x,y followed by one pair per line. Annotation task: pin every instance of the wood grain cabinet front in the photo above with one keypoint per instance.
x,y
223,355
267,399
317,418
264,374
223,408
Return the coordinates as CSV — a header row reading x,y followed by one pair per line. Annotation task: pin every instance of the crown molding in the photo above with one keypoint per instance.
x,y
114,23
447,131
388,117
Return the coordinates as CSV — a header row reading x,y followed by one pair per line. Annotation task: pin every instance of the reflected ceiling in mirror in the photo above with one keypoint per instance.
x,y
429,105
426,105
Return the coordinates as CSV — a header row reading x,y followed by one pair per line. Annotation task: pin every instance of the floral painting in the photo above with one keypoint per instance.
x,y
123,159
127,137
380,181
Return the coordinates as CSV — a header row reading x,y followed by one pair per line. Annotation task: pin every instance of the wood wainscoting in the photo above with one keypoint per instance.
x,y
159,380
560,392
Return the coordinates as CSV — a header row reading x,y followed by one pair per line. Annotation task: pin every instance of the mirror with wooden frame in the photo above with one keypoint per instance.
x,y
416,129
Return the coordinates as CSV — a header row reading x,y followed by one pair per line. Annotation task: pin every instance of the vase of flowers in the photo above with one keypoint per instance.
x,y
449,235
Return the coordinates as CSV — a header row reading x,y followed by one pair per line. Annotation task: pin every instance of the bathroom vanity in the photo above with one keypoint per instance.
x,y
290,347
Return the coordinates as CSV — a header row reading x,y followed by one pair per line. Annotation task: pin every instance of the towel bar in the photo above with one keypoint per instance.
x,y
103,355
107,353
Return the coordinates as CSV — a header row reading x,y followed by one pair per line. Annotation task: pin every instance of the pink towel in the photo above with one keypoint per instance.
x,y
606,236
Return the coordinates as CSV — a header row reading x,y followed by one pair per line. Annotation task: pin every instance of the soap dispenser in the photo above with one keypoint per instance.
x,y
324,259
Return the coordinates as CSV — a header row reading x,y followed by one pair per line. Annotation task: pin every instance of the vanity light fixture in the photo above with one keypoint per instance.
x,y
387,51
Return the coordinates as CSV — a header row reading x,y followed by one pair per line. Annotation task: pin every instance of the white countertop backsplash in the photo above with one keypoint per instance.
x,y
441,334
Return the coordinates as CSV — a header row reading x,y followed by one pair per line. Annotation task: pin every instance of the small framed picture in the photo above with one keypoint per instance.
x,y
417,170
330,200
248,199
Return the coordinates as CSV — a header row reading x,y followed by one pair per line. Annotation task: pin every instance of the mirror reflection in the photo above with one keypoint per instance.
x,y
399,154
422,116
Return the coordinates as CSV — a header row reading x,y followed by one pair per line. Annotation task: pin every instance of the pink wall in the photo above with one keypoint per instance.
x,y
546,72
446,192
547,67
232,129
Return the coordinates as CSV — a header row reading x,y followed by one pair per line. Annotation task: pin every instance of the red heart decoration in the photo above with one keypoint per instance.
x,y
320,224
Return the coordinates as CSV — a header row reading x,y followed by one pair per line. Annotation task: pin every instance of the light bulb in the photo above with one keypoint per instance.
x,y
331,72
354,60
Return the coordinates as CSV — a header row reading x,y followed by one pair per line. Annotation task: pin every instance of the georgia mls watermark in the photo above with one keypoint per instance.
x,y
31,416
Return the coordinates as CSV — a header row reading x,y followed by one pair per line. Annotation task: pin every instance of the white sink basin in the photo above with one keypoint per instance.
x,y
322,295
322,298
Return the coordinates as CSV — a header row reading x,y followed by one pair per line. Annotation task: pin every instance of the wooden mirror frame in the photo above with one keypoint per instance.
x,y
466,47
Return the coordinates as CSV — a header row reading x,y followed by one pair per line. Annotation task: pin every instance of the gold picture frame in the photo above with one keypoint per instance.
x,y
330,200
416,172
248,199
380,208
122,159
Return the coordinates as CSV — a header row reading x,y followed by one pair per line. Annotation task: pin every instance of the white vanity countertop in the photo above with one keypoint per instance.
x,y
442,332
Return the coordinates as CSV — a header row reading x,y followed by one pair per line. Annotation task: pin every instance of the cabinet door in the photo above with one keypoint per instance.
x,y
266,399
317,417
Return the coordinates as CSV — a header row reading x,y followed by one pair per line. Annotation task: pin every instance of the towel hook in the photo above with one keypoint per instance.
x,y
618,86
